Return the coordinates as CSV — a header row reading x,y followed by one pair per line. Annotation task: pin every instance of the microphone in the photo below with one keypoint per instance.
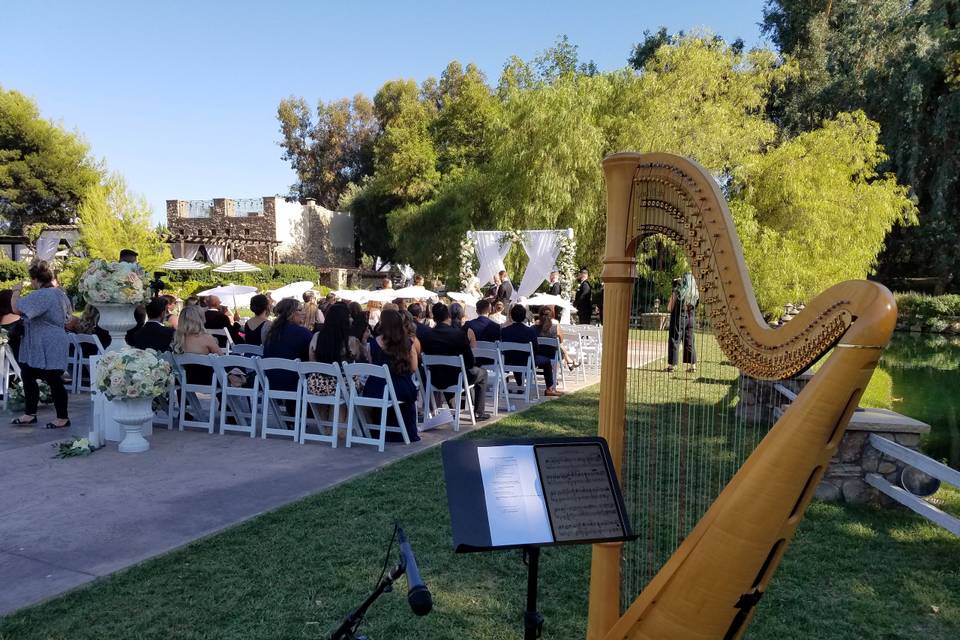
x,y
418,596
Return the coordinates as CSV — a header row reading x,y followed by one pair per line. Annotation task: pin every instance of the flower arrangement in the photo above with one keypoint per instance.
x,y
73,448
16,400
114,283
468,251
133,373
567,265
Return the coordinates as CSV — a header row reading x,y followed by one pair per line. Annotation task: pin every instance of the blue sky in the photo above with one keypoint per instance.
x,y
180,97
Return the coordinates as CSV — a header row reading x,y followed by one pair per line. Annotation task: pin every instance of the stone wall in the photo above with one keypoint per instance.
x,y
224,228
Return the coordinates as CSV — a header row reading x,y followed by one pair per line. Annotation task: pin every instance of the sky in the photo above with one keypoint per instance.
x,y
181,97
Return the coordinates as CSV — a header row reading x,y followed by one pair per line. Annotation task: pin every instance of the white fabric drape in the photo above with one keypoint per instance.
x,y
47,247
542,248
216,254
189,251
490,253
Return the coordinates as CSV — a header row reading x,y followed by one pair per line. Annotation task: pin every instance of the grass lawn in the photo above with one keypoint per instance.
x,y
292,573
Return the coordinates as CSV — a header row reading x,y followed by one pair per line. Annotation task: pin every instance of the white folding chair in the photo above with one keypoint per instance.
x,y
275,400
484,344
591,346
84,360
527,370
73,361
199,398
240,403
359,405
319,403
461,390
554,343
571,342
165,418
246,350
224,334
8,367
496,377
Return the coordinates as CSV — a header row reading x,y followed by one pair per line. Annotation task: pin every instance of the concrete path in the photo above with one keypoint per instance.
x,y
66,522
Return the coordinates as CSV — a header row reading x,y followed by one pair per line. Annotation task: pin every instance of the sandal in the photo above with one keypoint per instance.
x,y
21,421
51,425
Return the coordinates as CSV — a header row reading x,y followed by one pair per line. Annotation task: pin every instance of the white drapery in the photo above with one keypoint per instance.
x,y
216,254
188,251
47,247
490,253
542,248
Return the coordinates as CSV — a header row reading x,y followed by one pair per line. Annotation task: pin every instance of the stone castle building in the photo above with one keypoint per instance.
x,y
268,230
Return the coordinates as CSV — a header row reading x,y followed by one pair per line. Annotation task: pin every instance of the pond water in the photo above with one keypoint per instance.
x,y
925,370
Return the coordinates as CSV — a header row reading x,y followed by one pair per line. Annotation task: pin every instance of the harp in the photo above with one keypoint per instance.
x,y
723,563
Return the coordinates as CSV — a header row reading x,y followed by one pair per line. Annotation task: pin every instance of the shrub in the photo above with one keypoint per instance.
x,y
919,306
288,273
13,270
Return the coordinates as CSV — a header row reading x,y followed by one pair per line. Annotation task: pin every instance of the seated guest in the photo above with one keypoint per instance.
x,y
497,315
330,345
416,310
482,327
256,327
446,340
359,333
140,316
215,318
153,335
171,316
547,327
312,316
456,315
88,324
191,337
287,339
10,322
395,349
517,331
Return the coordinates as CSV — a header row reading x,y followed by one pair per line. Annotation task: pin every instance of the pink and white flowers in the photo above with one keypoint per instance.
x,y
133,373
114,283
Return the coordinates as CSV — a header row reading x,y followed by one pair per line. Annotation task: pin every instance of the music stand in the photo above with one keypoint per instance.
x,y
529,493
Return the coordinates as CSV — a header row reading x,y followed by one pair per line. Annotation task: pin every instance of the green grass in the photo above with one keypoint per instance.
x,y
292,573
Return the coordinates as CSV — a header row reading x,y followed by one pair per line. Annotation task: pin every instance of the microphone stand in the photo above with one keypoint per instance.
x,y
348,628
532,620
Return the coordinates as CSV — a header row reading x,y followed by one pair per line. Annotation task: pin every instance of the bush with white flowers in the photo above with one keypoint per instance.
x,y
114,283
133,373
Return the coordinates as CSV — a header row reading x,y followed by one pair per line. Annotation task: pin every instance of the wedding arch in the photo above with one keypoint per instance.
x,y
547,250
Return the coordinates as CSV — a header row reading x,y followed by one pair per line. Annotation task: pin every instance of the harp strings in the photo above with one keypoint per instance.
x,y
686,432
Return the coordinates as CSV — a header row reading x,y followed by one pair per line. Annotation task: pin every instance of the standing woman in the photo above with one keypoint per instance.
x,y
43,350
10,322
682,307
394,348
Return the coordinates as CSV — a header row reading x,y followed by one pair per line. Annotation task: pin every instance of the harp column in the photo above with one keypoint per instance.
x,y
619,275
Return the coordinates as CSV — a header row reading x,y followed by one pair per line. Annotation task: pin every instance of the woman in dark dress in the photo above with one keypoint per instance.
x,y
10,322
394,348
287,339
330,345
682,307
257,327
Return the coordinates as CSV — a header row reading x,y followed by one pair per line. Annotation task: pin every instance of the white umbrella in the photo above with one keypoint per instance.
x,y
236,266
293,290
466,298
352,295
546,299
183,264
417,292
240,293
382,295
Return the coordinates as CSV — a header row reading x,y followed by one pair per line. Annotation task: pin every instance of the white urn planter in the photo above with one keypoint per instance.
x,y
116,319
132,414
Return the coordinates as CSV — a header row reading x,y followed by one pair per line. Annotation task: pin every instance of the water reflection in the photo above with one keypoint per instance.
x,y
925,370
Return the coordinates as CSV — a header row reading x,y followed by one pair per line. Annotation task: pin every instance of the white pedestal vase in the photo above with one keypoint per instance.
x,y
116,319
133,415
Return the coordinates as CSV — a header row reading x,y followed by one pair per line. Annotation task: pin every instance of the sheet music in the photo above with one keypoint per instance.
x,y
578,493
516,510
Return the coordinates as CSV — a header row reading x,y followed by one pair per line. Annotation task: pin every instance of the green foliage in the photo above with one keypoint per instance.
x,y
290,273
12,270
112,218
920,306
897,62
813,211
44,170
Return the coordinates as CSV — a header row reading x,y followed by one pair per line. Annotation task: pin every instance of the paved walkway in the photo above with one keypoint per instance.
x,y
66,522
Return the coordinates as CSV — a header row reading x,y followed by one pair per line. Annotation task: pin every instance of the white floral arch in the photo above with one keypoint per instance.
x,y
547,249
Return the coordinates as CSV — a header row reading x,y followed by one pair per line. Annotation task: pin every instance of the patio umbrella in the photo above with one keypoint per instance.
x,y
236,266
352,295
466,298
183,264
546,299
382,295
415,293
293,290
239,293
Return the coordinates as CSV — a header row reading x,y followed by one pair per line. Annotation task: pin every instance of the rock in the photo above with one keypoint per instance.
x,y
828,492
911,440
851,447
844,471
916,327
886,467
855,492
870,460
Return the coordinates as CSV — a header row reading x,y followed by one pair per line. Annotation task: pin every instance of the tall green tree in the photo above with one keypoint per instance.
x,y
44,170
112,218
899,63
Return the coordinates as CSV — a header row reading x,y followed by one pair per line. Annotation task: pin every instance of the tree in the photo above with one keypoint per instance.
x,y
112,218
44,170
814,211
